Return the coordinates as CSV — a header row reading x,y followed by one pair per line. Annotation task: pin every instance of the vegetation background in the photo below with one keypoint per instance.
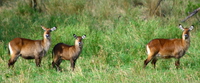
x,y
114,49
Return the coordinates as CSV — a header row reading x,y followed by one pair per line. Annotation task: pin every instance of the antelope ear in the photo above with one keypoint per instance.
x,y
44,28
191,27
74,35
54,28
83,36
181,27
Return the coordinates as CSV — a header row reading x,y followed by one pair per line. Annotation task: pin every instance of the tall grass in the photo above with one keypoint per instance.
x,y
114,49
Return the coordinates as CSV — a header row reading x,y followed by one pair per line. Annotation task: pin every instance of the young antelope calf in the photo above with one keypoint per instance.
x,y
168,48
63,51
30,49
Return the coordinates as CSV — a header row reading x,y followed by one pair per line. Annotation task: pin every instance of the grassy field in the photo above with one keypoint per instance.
x,y
114,51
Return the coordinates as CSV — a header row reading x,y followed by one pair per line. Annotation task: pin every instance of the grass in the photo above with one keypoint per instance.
x,y
114,48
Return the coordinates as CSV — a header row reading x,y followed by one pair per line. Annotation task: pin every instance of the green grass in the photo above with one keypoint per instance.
x,y
114,48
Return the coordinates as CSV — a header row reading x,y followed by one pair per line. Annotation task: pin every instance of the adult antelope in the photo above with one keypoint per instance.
x,y
63,51
30,49
168,48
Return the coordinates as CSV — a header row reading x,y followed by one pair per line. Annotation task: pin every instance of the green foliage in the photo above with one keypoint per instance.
x,y
191,6
114,49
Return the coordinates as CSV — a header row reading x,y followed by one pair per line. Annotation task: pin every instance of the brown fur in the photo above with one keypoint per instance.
x,y
30,49
168,48
63,51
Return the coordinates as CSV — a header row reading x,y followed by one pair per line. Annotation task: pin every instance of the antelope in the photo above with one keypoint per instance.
x,y
168,48
63,51
30,49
